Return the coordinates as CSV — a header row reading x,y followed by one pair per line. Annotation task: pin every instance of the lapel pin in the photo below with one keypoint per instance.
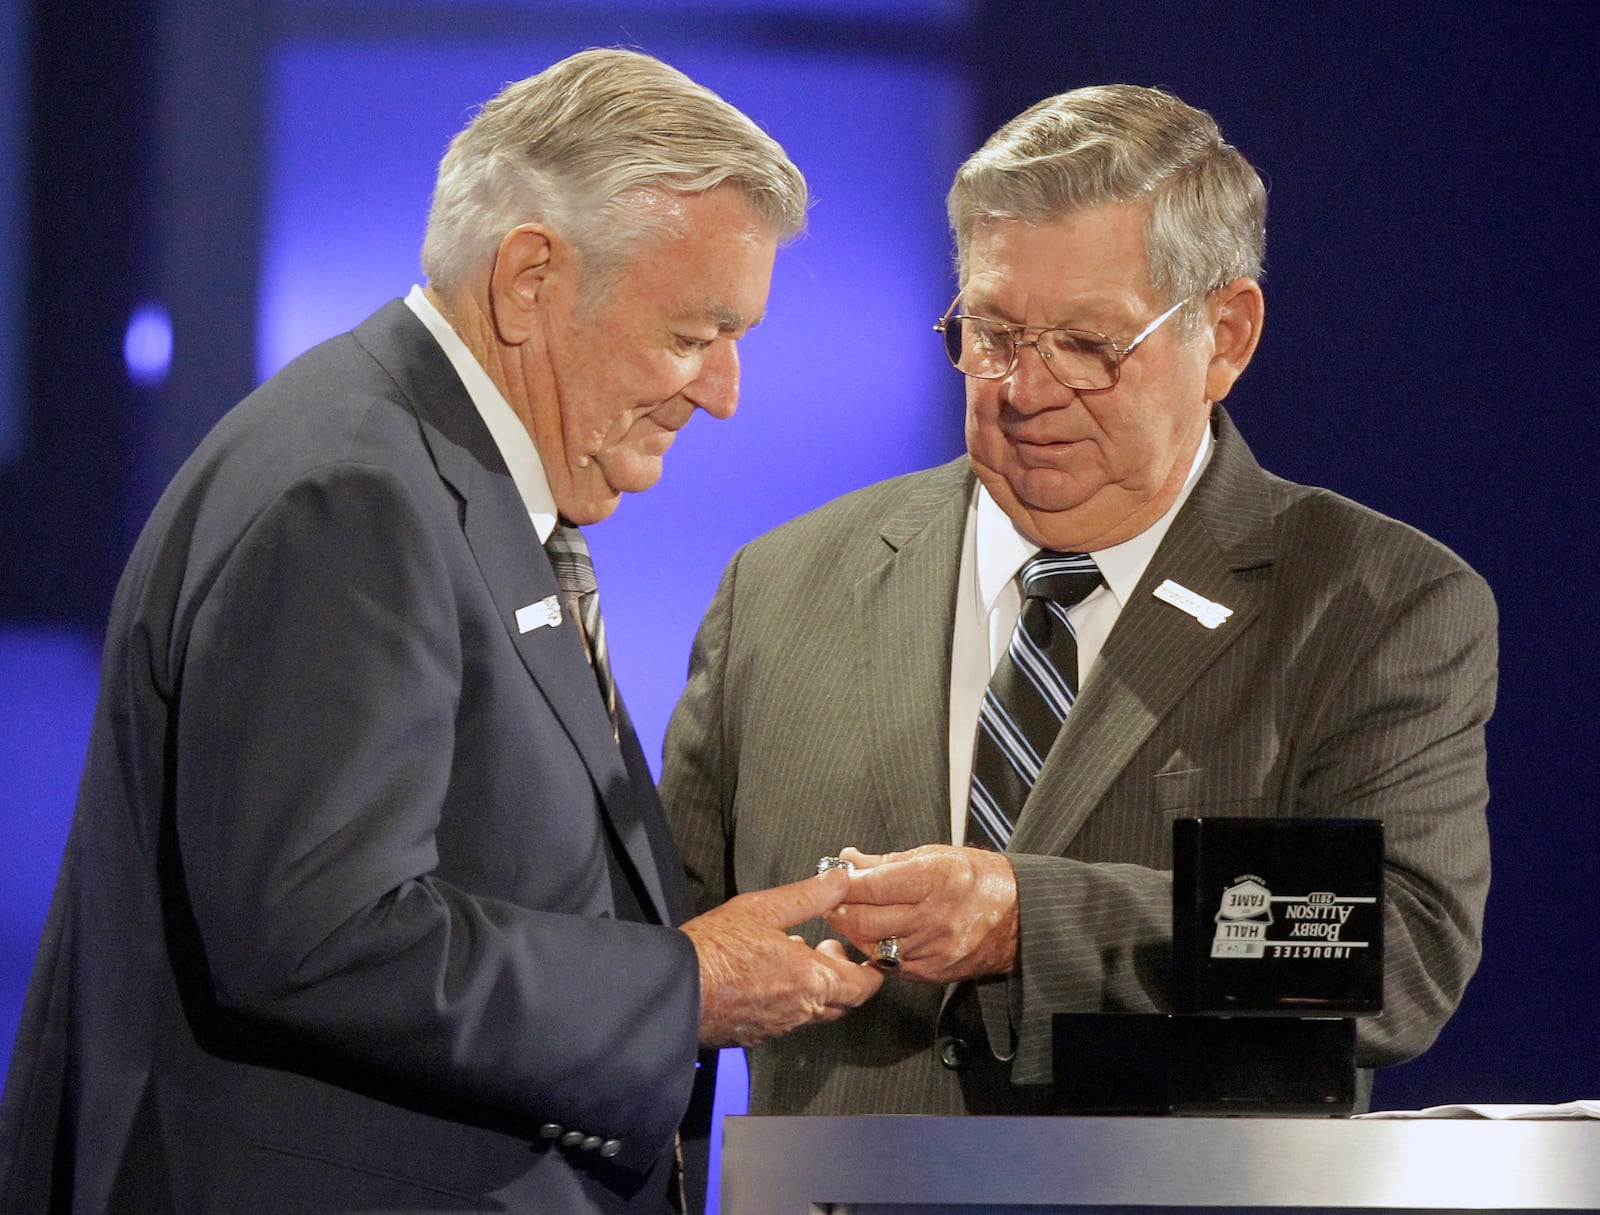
x,y
1202,609
544,614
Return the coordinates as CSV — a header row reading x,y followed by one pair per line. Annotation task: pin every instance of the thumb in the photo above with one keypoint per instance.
x,y
786,906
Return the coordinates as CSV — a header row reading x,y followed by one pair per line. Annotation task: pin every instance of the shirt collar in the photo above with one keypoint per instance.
x,y
509,434
1002,549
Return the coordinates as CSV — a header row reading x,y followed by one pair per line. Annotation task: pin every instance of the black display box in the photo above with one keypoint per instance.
x,y
1277,917
1277,947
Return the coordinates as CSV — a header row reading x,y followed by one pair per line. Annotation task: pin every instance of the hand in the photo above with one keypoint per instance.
x,y
954,910
756,981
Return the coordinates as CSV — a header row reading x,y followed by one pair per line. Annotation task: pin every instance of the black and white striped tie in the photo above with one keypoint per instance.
x,y
1029,696
574,570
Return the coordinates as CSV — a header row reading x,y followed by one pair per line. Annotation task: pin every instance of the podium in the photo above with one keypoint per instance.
x,y
1143,1165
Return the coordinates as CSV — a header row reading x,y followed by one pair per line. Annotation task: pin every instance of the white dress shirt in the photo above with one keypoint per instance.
x,y
509,434
989,600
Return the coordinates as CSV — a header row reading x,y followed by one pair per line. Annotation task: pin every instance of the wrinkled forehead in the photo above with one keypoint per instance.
x,y
1086,268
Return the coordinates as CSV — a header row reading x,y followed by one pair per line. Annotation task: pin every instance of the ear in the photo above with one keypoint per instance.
x,y
518,284
1238,310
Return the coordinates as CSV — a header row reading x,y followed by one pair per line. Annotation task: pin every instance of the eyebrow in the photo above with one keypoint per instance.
x,y
1091,313
727,319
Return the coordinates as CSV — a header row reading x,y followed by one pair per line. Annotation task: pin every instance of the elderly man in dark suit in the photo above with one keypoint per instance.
x,y
1001,679
369,902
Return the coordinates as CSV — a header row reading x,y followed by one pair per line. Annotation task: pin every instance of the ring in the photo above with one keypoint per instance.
x,y
888,953
834,862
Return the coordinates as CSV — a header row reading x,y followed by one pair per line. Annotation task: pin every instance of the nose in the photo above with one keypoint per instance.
x,y
716,388
1029,384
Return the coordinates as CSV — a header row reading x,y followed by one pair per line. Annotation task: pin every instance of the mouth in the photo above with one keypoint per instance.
x,y
1043,441
1046,447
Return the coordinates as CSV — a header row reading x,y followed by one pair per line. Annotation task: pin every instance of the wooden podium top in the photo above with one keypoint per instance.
x,y
1007,1166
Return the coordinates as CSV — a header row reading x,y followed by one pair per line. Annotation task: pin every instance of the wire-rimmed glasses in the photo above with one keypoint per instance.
x,y
1078,358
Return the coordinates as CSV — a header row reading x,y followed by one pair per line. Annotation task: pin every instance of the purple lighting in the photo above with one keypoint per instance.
x,y
147,345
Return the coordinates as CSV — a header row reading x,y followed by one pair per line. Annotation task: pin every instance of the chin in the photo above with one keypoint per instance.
x,y
633,475
593,510
1049,489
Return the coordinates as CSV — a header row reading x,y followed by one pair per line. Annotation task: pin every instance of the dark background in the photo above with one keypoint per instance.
x,y
1429,348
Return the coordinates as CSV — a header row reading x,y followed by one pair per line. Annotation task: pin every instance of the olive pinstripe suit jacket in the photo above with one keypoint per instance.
x,y
1353,679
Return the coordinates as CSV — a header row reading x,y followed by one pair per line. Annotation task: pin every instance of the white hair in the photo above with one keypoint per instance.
x,y
586,146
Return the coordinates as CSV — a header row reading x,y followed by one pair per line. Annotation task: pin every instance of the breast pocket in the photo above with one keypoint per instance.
x,y
1200,791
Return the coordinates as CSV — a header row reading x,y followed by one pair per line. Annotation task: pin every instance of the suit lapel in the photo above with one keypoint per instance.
x,y
514,567
1156,651
905,614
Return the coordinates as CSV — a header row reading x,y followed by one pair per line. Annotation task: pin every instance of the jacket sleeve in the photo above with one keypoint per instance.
x,y
697,777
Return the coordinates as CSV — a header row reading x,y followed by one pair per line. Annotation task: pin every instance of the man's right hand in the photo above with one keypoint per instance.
x,y
756,981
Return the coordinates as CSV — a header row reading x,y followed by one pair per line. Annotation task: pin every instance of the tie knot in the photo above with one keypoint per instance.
x,y
1064,578
569,558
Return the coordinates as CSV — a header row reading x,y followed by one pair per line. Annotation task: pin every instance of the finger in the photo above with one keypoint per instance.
x,y
871,860
833,948
854,983
864,922
838,951
905,881
786,906
860,859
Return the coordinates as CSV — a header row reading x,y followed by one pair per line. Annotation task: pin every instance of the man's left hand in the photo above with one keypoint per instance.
x,y
953,910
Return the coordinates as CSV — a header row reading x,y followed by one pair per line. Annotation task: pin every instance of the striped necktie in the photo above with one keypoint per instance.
x,y
1029,696
574,570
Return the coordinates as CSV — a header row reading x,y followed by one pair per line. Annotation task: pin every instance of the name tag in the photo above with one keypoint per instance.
x,y
1202,609
544,614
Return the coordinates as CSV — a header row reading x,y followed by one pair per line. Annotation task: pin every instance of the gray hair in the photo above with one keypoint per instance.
x,y
587,146
1119,143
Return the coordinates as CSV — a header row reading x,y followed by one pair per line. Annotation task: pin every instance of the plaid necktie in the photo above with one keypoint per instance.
x,y
1029,696
574,569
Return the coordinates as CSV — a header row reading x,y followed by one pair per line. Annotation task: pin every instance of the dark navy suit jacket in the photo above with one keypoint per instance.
x,y
361,892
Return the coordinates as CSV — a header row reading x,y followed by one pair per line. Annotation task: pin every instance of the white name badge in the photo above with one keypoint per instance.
x,y
544,614
1202,609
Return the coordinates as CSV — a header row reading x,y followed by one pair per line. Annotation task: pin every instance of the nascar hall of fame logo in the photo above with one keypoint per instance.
x,y
1252,922
1243,920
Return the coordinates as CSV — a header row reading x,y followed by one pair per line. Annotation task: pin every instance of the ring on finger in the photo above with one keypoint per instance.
x,y
887,955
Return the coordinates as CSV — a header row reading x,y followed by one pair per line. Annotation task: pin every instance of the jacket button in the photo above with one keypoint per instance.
x,y
953,1053
591,1142
572,1139
551,1130
610,1148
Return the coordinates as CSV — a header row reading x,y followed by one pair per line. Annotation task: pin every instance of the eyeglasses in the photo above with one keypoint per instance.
x,y
1077,358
